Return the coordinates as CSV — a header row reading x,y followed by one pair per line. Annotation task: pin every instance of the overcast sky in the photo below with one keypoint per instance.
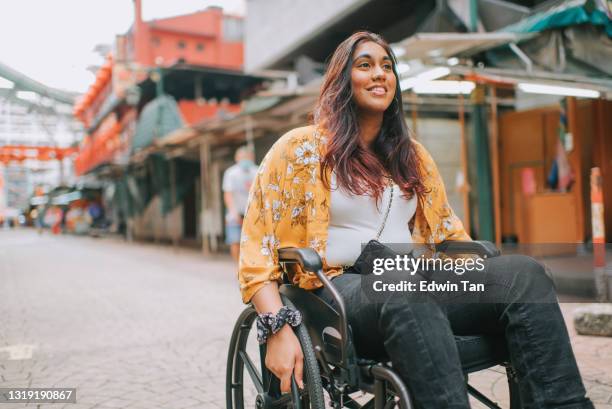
x,y
52,41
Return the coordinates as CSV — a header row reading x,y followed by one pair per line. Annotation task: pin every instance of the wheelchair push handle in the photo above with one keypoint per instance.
x,y
306,257
309,260
482,248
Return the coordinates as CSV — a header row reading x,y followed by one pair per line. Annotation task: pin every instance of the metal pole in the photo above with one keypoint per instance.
x,y
483,164
602,282
156,238
159,84
473,15
249,133
204,193
465,188
173,203
495,165
574,157
60,160
414,109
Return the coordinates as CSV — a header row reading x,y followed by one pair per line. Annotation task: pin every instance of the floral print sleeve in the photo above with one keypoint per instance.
x,y
441,220
270,219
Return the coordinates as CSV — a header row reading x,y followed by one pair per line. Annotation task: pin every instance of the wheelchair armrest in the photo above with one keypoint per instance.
x,y
483,248
306,257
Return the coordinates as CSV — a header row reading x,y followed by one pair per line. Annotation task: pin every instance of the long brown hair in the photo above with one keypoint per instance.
x,y
359,170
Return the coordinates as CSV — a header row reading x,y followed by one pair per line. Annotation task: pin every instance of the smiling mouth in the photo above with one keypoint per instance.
x,y
378,90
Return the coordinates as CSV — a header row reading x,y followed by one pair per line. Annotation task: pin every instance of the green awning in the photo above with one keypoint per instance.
x,y
568,13
157,119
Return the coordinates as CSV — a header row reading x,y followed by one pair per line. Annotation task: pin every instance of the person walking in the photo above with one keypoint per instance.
x,y
237,181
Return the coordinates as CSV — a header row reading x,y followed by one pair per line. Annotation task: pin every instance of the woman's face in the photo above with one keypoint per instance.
x,y
372,78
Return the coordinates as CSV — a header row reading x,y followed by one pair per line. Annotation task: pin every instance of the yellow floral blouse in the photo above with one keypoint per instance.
x,y
289,207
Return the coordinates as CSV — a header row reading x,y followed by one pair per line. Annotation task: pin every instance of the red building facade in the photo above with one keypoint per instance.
x,y
207,39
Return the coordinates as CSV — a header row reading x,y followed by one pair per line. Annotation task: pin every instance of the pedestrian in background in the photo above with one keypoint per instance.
x,y
57,217
237,181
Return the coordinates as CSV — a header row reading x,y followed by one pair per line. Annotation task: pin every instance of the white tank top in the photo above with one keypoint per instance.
x,y
355,219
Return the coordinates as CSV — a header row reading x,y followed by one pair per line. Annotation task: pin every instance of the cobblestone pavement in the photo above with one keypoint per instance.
x,y
147,326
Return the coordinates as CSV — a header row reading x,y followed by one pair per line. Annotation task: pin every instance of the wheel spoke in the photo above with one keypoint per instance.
x,y
391,403
255,377
265,379
295,394
288,398
282,401
305,401
263,382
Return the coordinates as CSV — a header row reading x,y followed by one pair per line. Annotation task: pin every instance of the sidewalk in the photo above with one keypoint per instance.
x,y
571,267
594,356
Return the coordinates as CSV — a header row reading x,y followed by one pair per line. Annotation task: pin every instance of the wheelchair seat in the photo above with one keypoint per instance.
x,y
478,352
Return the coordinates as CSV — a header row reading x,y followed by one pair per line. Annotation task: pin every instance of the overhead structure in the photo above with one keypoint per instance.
x,y
33,113
428,46
22,82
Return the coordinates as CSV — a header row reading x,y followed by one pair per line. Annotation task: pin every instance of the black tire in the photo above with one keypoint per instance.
x,y
265,382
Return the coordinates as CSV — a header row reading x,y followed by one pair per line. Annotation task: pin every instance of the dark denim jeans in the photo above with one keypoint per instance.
x,y
416,333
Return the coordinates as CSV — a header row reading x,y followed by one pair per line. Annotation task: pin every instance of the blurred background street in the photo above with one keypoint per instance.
x,y
137,326
120,119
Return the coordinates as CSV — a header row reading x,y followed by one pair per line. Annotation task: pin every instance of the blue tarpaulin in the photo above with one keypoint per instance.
x,y
157,119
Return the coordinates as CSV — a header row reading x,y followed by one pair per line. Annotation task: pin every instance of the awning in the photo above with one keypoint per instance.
x,y
109,105
268,111
436,45
178,137
567,13
191,82
258,104
501,76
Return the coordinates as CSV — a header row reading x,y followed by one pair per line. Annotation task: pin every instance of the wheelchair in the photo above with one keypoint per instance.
x,y
331,365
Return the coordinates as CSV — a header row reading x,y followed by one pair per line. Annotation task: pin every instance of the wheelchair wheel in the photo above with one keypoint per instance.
x,y
263,390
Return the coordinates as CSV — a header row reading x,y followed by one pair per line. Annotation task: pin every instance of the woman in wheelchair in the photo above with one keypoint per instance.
x,y
355,175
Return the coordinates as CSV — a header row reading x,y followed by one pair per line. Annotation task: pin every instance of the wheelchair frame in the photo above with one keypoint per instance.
x,y
342,372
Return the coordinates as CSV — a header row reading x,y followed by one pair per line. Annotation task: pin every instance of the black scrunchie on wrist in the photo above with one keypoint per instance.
x,y
268,323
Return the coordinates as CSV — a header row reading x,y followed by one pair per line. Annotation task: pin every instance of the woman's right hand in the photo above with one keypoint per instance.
x,y
284,357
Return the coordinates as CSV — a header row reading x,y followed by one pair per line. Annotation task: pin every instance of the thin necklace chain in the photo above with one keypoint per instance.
x,y
384,222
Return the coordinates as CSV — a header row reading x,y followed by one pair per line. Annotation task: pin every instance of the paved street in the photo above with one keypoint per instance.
x,y
136,326
147,326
